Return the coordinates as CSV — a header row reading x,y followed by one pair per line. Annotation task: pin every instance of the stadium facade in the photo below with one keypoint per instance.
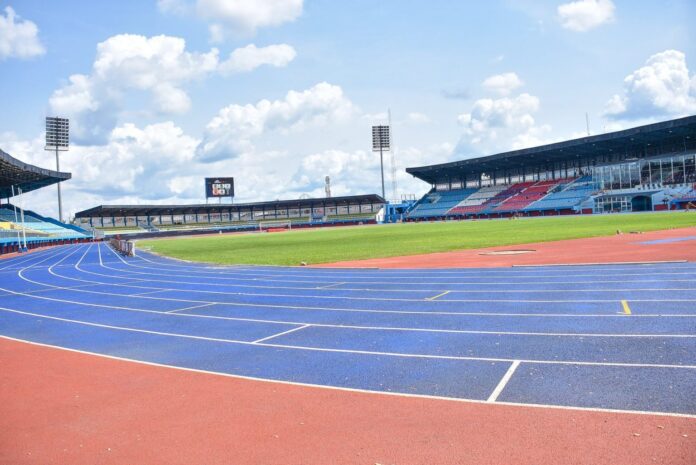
x,y
300,212
646,168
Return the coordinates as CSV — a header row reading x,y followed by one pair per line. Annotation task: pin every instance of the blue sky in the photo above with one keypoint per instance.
x,y
163,93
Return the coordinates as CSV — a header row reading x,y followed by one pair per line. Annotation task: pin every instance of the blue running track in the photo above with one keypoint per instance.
x,y
620,337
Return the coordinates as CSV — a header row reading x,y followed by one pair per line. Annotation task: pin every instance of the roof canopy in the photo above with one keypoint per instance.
x,y
642,139
24,176
153,210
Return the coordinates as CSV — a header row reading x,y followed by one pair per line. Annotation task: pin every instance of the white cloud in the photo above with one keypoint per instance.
x,y
663,86
501,124
503,84
135,165
358,172
238,17
584,15
18,38
248,58
230,132
159,66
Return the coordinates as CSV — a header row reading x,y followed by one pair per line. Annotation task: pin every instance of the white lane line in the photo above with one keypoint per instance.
x,y
503,382
376,289
347,389
193,307
333,309
324,325
249,277
280,334
399,273
385,290
350,351
134,295
416,290
326,287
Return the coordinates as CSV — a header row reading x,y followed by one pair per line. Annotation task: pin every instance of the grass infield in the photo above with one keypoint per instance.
x,y
361,242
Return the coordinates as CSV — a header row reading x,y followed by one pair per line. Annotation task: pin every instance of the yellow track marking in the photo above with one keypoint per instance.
x,y
626,308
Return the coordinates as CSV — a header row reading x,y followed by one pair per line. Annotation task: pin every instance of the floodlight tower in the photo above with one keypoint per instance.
x,y
381,141
58,139
327,186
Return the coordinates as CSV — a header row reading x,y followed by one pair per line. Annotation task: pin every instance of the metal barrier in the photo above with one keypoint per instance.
x,y
123,246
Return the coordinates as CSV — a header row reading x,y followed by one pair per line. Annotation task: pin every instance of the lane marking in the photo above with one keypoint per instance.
x,y
439,295
324,325
350,351
158,273
304,307
347,389
503,381
329,286
284,270
626,308
187,308
280,334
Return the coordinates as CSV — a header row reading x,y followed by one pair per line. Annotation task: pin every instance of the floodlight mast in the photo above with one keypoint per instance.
x,y
380,143
58,139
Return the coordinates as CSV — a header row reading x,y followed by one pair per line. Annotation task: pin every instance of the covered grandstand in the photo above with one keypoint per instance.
x,y
20,229
307,212
647,168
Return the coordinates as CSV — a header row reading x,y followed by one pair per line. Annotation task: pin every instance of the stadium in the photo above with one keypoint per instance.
x,y
528,306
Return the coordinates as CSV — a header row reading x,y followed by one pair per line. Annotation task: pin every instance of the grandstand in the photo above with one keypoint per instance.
x,y
16,225
302,213
647,168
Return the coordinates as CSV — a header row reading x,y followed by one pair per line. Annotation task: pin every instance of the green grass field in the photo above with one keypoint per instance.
x,y
353,243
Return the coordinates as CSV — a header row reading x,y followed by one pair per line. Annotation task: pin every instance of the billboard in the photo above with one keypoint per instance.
x,y
219,187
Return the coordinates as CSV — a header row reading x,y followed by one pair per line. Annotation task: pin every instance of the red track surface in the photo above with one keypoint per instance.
x,y
61,407
619,248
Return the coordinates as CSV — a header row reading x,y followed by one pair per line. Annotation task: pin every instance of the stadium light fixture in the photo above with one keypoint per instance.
x,y
58,139
381,141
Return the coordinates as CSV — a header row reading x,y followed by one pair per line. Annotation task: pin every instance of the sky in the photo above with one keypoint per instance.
x,y
281,93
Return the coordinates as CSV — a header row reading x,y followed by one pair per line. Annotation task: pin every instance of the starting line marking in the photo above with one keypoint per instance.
x,y
626,308
503,382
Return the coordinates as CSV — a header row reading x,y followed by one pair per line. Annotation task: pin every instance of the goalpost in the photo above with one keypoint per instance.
x,y
272,226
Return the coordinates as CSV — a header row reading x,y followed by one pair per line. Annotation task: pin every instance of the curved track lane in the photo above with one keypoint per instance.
x,y
614,337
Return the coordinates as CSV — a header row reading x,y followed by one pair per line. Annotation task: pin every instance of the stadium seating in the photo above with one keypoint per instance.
x,y
437,203
530,193
491,196
37,226
566,197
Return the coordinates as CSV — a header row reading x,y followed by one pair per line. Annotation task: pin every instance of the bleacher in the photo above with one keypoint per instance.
x,y
437,203
493,195
566,197
527,195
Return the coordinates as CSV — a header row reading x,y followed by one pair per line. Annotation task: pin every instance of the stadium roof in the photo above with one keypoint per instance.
x,y
667,133
146,210
27,177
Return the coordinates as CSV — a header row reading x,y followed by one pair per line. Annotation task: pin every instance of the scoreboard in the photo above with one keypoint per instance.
x,y
219,187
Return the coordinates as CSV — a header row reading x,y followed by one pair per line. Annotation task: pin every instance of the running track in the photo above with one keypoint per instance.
x,y
614,337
